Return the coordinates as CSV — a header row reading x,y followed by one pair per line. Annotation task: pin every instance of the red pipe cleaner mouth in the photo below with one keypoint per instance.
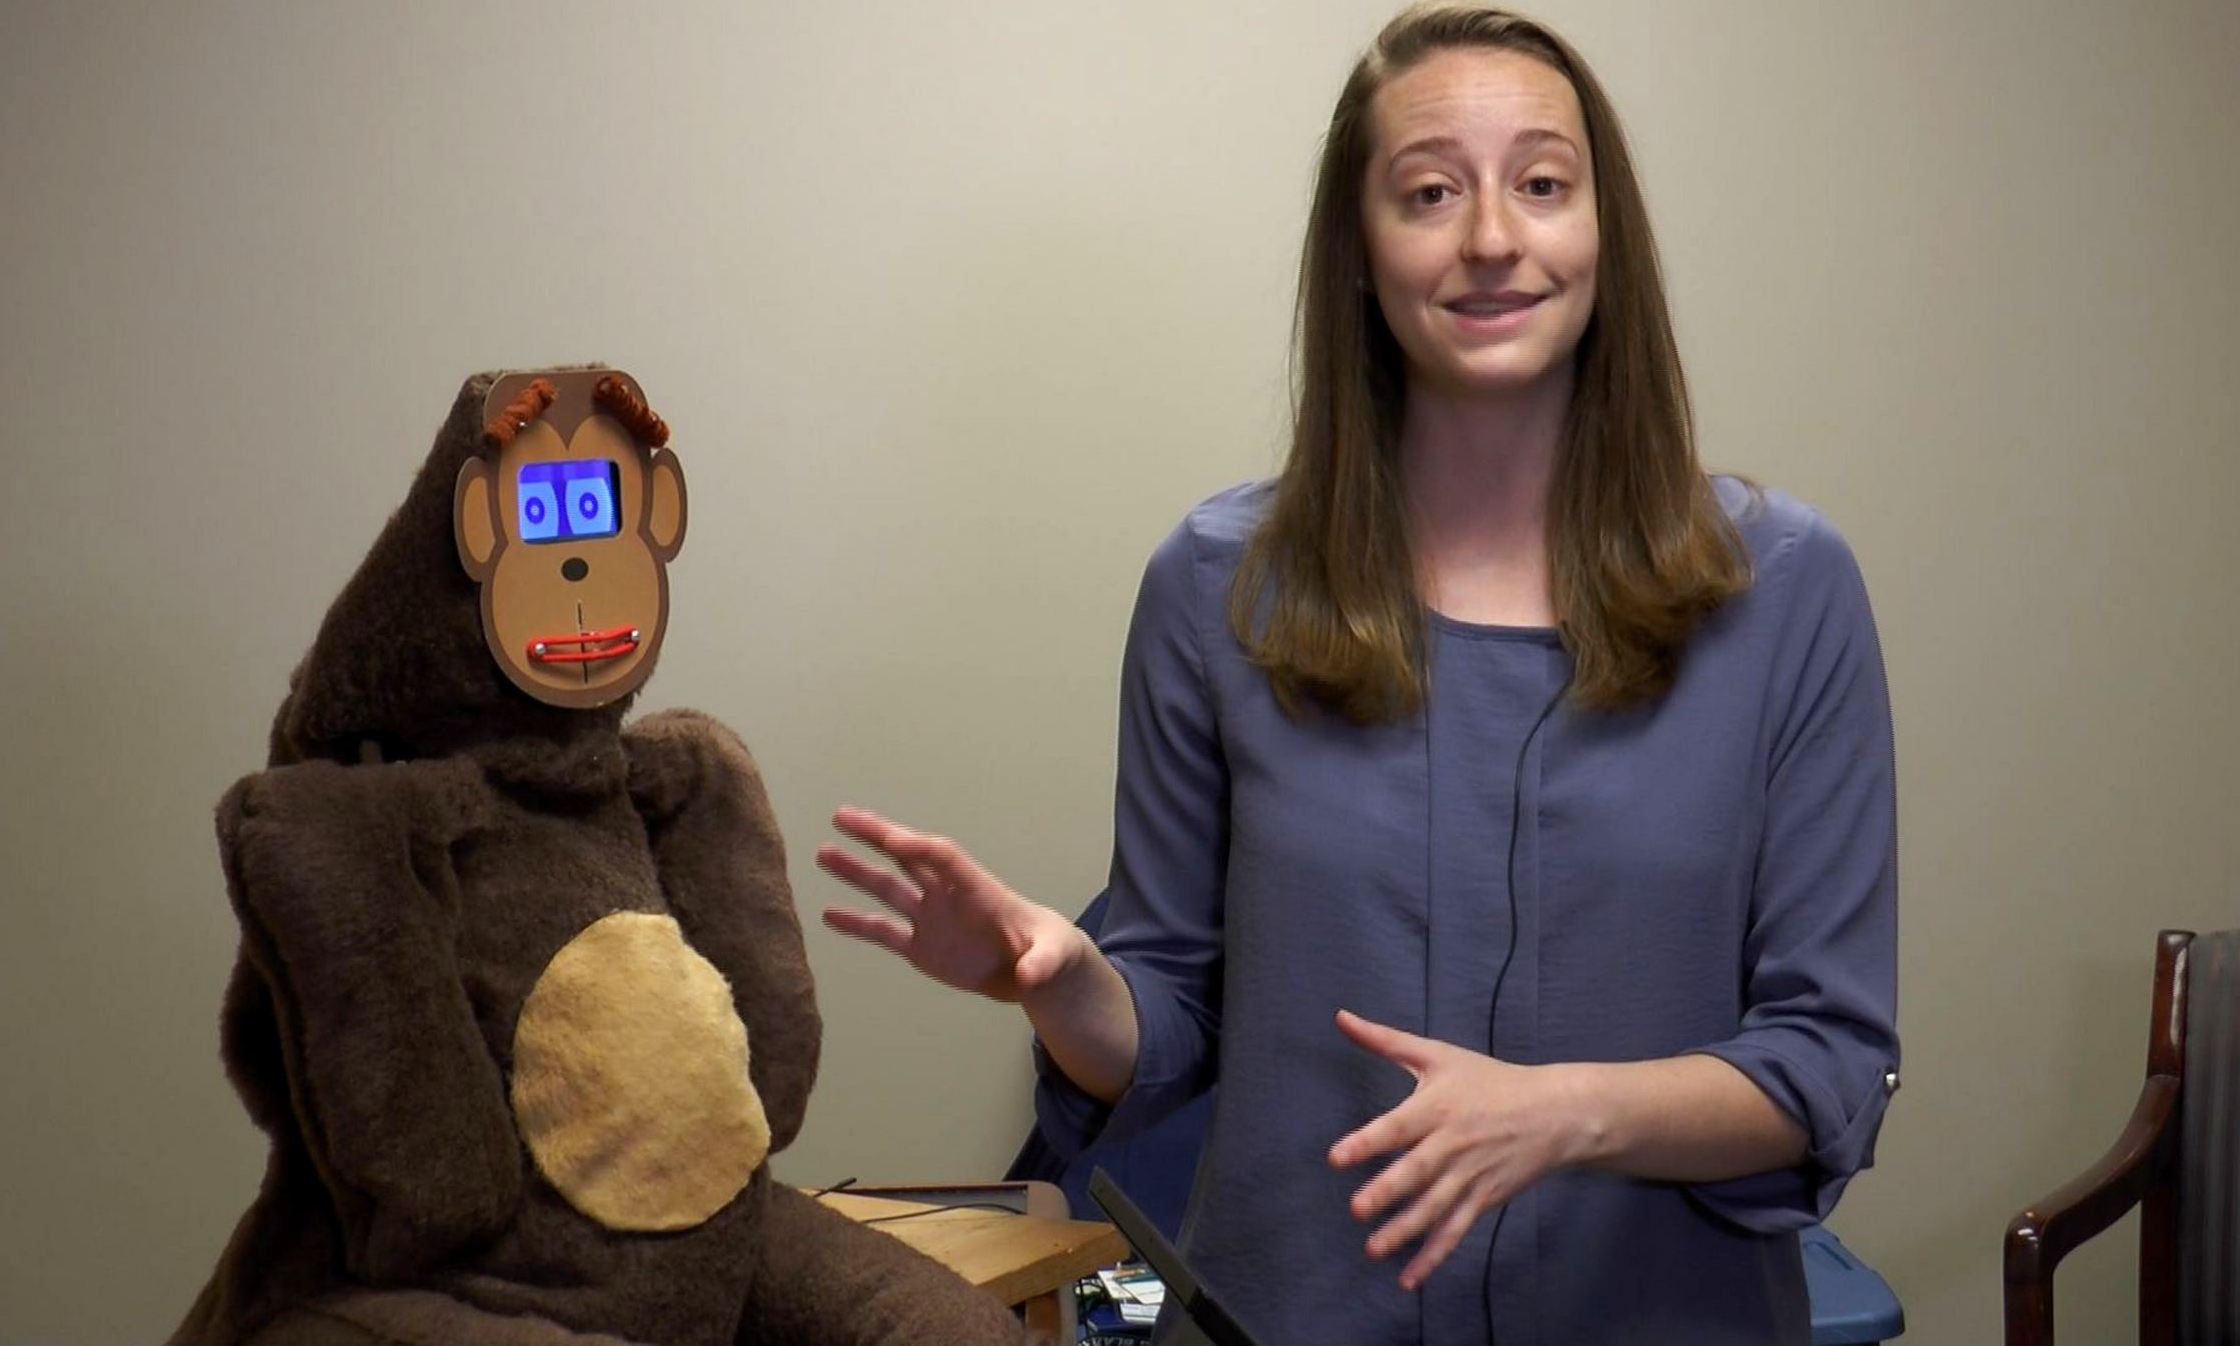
x,y
584,647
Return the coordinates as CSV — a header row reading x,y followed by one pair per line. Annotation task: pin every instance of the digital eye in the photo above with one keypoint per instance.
x,y
591,505
540,512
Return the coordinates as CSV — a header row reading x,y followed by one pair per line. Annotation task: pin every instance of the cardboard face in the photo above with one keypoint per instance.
x,y
569,525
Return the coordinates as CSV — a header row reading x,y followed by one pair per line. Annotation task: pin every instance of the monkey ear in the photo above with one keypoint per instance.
x,y
474,518
665,505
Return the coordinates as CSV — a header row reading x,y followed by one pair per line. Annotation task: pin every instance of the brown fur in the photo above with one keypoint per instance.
x,y
399,658
395,917
417,1317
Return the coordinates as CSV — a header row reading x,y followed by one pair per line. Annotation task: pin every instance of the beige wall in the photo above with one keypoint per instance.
x,y
955,309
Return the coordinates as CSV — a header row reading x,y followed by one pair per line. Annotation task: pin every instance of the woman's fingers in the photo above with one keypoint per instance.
x,y
960,926
933,862
888,887
884,931
936,862
1425,1211
1449,1235
1405,1175
1405,1050
902,845
888,837
954,864
924,875
867,827
906,846
1401,1127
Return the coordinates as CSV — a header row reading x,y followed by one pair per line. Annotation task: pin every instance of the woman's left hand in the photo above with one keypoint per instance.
x,y
1475,1132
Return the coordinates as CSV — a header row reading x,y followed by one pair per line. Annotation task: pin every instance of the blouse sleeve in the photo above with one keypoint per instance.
x,y
1819,1031
1162,928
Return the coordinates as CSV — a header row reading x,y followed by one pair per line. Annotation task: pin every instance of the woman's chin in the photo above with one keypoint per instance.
x,y
1493,376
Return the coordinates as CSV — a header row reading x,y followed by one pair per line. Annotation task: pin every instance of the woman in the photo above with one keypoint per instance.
x,y
1505,809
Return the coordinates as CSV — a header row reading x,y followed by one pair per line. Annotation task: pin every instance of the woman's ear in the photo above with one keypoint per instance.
x,y
474,519
665,505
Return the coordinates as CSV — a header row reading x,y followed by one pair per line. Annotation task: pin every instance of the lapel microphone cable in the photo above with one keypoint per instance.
x,y
1516,828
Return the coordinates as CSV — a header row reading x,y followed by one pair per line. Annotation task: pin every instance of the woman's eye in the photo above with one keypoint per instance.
x,y
1431,194
1543,187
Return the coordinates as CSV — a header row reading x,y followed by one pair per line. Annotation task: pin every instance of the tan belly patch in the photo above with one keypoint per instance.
x,y
630,1078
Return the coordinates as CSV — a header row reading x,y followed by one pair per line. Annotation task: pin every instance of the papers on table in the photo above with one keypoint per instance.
x,y
1135,1291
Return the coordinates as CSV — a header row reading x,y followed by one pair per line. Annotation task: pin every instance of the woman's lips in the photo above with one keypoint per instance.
x,y
1491,315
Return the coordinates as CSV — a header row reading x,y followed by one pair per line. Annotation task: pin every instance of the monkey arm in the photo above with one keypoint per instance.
x,y
342,881
723,872
821,1279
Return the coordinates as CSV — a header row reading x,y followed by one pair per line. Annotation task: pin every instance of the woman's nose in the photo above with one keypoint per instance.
x,y
1492,236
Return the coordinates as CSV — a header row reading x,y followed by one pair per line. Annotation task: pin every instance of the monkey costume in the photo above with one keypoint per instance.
x,y
521,999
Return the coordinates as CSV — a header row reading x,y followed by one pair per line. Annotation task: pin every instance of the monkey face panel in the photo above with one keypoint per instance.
x,y
569,527
578,606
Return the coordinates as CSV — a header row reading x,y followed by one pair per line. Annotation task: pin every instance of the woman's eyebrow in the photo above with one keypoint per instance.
x,y
1540,135
1531,138
1426,145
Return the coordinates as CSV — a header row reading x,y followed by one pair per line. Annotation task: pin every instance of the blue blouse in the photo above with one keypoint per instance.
x,y
1715,872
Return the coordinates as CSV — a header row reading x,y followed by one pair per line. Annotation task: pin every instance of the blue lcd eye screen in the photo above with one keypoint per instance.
x,y
567,502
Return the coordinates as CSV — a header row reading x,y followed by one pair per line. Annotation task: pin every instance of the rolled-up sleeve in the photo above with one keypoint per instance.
x,y
1162,928
1819,1027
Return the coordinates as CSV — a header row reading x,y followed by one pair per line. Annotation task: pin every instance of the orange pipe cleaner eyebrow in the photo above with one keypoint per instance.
x,y
631,409
529,405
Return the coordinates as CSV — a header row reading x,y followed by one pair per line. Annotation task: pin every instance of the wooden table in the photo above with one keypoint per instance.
x,y
1028,1260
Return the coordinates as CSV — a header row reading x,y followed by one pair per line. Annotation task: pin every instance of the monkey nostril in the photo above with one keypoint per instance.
x,y
574,569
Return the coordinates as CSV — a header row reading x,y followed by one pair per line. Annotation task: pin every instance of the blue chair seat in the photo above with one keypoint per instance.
x,y
1851,1303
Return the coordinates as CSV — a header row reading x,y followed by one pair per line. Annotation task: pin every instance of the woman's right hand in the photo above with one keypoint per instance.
x,y
952,920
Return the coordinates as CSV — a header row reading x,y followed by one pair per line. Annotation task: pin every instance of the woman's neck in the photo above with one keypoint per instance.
x,y
1476,475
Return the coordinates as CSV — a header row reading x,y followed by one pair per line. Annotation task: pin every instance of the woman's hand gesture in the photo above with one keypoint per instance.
x,y
1476,1132
952,920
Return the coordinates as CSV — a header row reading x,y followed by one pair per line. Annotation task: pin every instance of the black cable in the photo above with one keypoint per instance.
x,y
936,1210
846,1183
1516,827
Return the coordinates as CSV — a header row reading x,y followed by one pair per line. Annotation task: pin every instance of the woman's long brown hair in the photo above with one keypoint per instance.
x,y
1640,548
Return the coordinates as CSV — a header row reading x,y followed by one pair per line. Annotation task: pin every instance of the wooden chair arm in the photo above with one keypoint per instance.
x,y
2050,1229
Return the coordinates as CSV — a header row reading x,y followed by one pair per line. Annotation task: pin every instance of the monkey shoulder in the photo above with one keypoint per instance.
x,y
684,759
434,800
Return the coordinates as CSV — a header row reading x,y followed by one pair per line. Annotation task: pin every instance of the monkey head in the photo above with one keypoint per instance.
x,y
567,522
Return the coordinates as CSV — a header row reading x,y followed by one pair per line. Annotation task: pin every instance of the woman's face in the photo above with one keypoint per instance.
x,y
1478,211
